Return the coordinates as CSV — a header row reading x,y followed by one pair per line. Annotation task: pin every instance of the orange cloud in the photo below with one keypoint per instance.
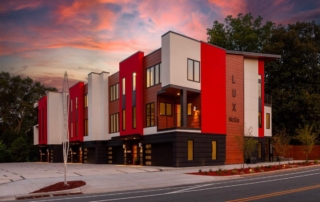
x,y
231,7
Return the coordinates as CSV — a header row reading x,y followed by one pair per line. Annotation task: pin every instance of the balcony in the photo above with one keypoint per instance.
x,y
267,100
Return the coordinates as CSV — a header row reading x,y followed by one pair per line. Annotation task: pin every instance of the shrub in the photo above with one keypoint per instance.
x,y
219,171
234,172
316,162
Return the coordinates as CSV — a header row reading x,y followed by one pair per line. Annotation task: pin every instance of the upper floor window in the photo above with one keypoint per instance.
x,y
114,123
193,70
134,81
153,75
114,92
150,114
165,109
123,86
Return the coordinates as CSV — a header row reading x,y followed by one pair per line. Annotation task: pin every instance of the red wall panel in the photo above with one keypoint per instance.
x,y
77,113
261,72
42,120
213,89
127,67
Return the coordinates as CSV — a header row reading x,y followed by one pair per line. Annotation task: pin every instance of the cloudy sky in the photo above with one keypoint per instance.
x,y
43,38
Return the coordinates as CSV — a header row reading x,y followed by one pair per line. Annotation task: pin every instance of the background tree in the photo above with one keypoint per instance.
x,y
280,143
307,139
246,144
17,115
293,81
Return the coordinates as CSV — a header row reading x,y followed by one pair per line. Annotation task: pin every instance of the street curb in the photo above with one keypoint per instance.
x,y
49,194
275,171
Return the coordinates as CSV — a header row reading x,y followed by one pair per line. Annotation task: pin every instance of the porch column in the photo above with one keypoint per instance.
x,y
183,102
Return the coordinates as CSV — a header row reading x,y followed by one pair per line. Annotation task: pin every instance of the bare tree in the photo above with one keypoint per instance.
x,y
307,139
246,144
65,134
280,144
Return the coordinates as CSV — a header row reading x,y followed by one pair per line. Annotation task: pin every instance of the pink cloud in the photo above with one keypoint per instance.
x,y
231,7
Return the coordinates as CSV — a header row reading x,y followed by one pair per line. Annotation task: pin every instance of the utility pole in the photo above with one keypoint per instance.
x,y
65,134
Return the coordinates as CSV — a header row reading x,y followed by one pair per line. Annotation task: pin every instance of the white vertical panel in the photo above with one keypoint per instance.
x,y
36,134
176,50
54,118
267,132
251,95
98,110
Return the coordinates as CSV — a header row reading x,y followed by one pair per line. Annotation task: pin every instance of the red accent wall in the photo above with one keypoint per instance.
x,y
127,67
213,89
261,72
42,120
77,113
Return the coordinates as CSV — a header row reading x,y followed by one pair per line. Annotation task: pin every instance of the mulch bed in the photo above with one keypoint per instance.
x,y
60,186
250,170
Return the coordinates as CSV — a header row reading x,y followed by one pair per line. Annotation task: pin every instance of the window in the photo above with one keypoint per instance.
x,y
86,101
134,81
165,109
76,103
71,105
76,128
190,150
259,119
134,117
189,109
150,114
114,92
214,150
71,128
114,123
153,75
259,149
86,127
124,119
259,86
193,70
268,121
123,86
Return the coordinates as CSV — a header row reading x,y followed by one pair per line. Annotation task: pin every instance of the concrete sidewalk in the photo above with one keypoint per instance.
x,y
23,178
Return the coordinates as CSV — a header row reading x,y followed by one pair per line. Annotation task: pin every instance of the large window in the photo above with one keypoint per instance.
x,y
114,92
124,119
189,109
150,114
268,121
193,70
153,75
165,109
86,127
134,81
259,119
123,86
134,117
214,150
114,123
190,150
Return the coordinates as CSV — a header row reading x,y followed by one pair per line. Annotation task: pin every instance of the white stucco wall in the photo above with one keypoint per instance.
x,y
36,134
251,95
98,107
54,118
267,132
175,51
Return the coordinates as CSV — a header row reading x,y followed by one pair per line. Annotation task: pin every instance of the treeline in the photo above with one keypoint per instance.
x,y
18,116
294,80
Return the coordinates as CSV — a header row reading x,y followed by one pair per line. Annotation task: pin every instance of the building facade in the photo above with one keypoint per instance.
x,y
181,105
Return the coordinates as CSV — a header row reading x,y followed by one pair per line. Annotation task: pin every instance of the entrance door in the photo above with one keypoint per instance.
x,y
178,115
134,153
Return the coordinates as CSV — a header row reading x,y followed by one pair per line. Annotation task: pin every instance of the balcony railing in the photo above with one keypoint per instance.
x,y
267,99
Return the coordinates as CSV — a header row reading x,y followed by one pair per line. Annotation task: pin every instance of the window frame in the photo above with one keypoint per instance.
x,y
193,70
123,120
123,86
189,109
114,92
86,128
134,117
165,109
114,123
214,153
150,116
190,153
268,120
86,104
155,76
134,81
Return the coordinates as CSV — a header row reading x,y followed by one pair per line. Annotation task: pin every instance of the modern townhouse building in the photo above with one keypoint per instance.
x,y
181,105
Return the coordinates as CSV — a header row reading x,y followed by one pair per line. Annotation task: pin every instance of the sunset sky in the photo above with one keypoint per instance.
x,y
42,39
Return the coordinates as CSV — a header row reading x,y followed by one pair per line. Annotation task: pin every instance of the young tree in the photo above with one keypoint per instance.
x,y
307,139
246,144
280,143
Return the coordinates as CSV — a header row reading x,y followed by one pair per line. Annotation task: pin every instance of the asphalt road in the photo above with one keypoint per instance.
x,y
300,185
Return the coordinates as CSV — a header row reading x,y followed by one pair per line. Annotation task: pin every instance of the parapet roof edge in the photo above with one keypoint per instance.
x,y
251,54
152,52
180,35
130,56
98,73
213,45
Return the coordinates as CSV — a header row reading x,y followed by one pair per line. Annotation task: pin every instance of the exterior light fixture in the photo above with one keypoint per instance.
x,y
194,108
178,94
124,146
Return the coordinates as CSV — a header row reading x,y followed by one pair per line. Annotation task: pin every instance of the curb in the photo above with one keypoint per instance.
x,y
49,194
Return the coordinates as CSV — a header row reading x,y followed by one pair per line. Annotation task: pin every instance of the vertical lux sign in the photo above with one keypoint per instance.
x,y
234,105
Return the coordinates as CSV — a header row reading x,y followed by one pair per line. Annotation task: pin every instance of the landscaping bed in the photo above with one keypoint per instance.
x,y
60,186
250,170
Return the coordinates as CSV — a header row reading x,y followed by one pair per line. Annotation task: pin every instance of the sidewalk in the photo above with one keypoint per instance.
x,y
23,178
